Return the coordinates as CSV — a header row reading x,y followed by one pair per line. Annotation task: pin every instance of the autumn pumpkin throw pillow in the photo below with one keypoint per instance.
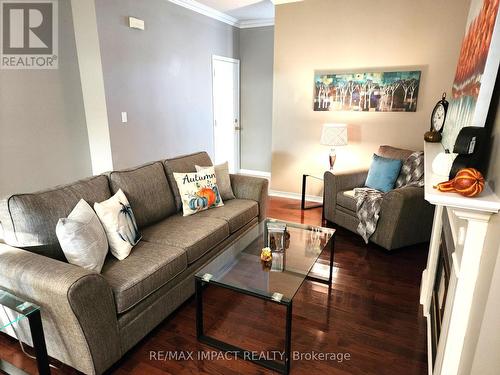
x,y
199,191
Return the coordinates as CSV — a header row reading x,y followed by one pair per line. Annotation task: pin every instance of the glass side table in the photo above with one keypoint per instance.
x,y
13,310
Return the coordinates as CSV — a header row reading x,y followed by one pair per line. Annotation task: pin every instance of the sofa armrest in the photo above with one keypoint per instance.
x,y
254,188
405,218
77,308
333,183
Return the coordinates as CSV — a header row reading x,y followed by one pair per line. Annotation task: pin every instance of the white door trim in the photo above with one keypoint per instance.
x,y
238,111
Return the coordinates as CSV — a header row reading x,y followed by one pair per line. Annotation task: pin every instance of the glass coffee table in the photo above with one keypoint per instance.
x,y
240,269
12,311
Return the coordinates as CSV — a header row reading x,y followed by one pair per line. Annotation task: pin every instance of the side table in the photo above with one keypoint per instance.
x,y
15,309
304,186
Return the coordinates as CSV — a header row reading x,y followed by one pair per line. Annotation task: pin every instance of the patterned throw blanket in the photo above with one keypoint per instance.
x,y
369,201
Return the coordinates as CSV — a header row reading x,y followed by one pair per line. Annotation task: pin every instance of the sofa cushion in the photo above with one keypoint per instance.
x,y
29,220
393,152
146,188
237,213
147,269
185,163
346,200
195,234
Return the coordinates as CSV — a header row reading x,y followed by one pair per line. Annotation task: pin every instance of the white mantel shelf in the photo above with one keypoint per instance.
x,y
487,201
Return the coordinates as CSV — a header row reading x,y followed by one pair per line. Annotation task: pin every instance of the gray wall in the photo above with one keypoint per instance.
x,y
43,135
161,77
257,57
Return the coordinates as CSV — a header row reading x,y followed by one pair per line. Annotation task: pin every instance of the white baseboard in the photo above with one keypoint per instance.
x,y
250,172
296,196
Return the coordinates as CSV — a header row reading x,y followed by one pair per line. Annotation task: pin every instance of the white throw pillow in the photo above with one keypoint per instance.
x,y
119,223
82,238
198,191
223,180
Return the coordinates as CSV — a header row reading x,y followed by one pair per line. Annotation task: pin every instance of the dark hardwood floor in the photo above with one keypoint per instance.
x,y
370,318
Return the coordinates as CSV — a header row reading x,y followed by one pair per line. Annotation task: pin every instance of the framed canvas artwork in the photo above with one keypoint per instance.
x,y
371,92
476,71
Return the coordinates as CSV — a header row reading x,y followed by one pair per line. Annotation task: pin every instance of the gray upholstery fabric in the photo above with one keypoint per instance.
x,y
148,267
147,191
334,183
195,234
79,308
29,220
237,213
346,201
184,163
405,216
405,219
137,322
394,152
253,188
78,332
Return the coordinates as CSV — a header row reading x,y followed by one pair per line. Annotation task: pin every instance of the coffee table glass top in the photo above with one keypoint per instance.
x,y
239,266
13,309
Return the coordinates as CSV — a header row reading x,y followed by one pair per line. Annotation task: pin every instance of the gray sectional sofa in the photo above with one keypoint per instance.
x,y
91,320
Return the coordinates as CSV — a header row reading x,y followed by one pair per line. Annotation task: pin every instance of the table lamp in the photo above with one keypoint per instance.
x,y
334,135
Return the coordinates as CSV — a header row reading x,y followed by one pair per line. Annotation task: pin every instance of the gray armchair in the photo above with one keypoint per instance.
x,y
405,216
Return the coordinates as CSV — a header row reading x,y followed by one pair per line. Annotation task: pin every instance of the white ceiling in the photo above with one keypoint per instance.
x,y
243,10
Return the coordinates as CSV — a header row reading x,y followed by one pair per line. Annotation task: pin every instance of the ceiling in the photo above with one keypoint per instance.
x,y
243,10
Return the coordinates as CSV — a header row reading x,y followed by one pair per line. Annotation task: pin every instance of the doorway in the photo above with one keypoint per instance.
x,y
226,108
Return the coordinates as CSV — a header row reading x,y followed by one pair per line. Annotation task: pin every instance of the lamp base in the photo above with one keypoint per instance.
x,y
332,157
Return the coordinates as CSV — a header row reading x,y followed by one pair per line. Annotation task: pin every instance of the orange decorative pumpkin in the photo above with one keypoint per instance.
x,y
208,194
469,182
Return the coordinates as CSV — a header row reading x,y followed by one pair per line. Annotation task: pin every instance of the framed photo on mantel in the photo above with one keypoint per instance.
x,y
476,71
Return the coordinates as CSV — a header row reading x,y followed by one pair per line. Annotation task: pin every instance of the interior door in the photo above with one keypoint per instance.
x,y
226,106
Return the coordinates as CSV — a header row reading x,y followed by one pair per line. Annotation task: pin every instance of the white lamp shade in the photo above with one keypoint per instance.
x,y
334,135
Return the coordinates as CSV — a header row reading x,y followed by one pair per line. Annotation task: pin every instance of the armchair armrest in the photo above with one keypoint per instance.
x,y
405,218
77,308
339,182
254,188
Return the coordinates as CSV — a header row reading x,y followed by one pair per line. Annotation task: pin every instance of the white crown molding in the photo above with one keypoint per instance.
x,y
206,11
248,24
197,7
279,2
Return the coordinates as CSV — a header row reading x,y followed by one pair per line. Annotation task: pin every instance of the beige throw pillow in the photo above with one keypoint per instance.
x,y
198,191
82,238
223,180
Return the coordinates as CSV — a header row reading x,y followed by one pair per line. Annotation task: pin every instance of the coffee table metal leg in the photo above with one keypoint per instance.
x,y
199,308
332,250
39,345
283,368
288,338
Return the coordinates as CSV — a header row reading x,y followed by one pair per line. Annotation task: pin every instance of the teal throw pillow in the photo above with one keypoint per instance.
x,y
383,173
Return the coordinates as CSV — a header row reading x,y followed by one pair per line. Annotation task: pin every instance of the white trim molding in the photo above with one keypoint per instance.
x,y
206,11
249,172
200,8
296,196
248,24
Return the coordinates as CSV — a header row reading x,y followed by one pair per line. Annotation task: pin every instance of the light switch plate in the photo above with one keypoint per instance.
x,y
136,23
124,117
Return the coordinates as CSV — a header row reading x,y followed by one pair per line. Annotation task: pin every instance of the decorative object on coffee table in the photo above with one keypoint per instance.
x,y
334,135
438,118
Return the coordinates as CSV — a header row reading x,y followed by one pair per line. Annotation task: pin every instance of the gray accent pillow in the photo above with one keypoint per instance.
x,y
82,238
223,180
